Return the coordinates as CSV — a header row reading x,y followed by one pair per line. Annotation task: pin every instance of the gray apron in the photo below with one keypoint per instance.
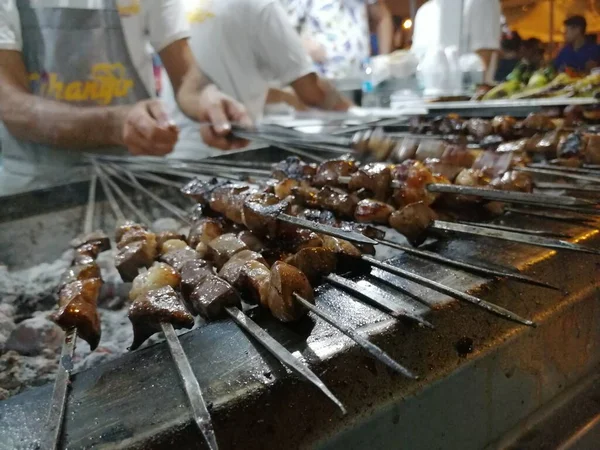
x,y
79,56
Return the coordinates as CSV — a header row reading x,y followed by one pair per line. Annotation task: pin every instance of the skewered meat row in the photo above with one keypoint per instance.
x,y
79,289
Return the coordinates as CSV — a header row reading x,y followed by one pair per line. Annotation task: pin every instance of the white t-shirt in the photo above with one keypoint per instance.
x,y
245,47
146,24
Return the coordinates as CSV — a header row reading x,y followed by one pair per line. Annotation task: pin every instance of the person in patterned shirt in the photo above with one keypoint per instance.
x,y
336,32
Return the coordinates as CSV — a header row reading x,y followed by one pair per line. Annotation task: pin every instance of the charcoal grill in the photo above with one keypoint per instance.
x,y
484,381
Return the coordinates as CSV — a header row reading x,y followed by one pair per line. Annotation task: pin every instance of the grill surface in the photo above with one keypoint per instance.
x,y
464,399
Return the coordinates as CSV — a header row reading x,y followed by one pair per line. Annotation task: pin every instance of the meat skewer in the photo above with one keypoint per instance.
x,y
166,302
78,293
226,201
280,352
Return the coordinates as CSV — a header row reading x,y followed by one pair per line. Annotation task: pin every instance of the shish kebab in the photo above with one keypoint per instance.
x,y
374,182
78,293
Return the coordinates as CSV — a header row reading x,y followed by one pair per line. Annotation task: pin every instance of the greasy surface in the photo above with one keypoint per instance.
x,y
137,401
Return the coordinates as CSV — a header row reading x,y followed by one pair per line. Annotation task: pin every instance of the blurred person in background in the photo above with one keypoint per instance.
x,y
336,32
533,53
249,49
578,54
511,55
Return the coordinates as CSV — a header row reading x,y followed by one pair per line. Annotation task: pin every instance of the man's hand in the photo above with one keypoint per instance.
x,y
315,50
148,131
220,110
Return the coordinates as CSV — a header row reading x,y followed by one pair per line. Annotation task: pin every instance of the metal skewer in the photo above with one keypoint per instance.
x,y
493,226
558,173
369,347
465,265
510,236
56,413
191,387
276,349
585,170
560,217
567,186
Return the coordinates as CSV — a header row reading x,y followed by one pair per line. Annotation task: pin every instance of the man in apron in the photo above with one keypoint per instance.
x,y
254,56
76,76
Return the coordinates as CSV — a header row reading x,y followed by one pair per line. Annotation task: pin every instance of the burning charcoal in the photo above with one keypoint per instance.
x,y
159,275
232,269
412,221
315,263
133,257
211,297
178,258
285,281
78,308
31,336
97,238
151,309
224,247
373,211
192,274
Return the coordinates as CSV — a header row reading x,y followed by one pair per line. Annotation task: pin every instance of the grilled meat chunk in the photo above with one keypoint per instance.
x,y
413,178
412,221
252,241
204,230
201,190
348,256
375,178
228,200
338,201
154,307
157,276
193,273
373,211
172,245
430,148
211,296
572,147
294,168
514,146
97,238
404,150
328,172
165,236
78,308
504,126
479,128
178,258
307,196
133,257
260,211
224,247
136,234
471,177
255,282
513,180
79,272
315,263
592,149
232,269
285,281
439,168
537,122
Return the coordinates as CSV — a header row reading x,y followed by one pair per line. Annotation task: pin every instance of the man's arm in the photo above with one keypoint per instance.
x,y
381,22
200,99
286,96
319,93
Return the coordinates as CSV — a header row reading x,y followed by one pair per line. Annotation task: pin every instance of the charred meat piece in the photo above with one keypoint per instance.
x,y
252,241
285,187
315,263
374,142
504,126
573,146
136,234
491,142
413,178
97,238
232,269
77,308
204,230
479,128
260,211
228,200
439,168
328,172
367,230
293,167
430,148
201,190
133,257
307,196
157,276
412,221
592,148
448,125
79,272
338,201
211,296
193,272
172,245
285,281
125,227
404,150
513,180
151,309
255,282
537,123
549,142
375,178
348,256
458,156
373,211
514,146
86,253
493,164
165,236
297,238
178,258
224,247
471,177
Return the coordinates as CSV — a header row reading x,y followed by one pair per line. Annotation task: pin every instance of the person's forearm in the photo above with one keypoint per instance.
x,y
283,96
188,94
385,32
332,99
44,121
486,56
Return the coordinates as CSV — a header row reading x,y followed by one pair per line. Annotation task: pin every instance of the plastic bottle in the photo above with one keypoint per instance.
x,y
369,97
